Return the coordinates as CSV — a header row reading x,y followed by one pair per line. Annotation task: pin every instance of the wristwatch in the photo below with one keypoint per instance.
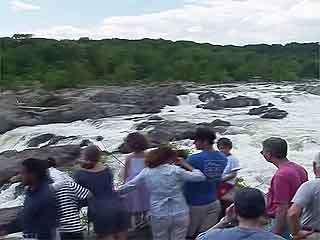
x,y
292,237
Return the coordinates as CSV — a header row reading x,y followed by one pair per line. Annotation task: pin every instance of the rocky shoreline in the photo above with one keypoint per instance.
x,y
38,107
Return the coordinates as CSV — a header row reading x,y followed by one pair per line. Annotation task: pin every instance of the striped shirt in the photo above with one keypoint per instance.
x,y
68,195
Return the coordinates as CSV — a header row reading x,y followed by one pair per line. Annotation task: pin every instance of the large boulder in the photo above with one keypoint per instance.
x,y
214,105
10,161
241,101
36,141
275,113
313,88
235,102
163,132
7,215
48,138
93,103
209,96
260,110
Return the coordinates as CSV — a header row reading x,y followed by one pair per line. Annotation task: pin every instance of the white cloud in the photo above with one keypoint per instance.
x,y
21,6
215,21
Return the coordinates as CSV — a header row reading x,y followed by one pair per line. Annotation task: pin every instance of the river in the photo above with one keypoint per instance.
x,y
300,128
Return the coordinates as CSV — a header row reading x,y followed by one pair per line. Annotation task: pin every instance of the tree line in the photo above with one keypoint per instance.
x,y
53,64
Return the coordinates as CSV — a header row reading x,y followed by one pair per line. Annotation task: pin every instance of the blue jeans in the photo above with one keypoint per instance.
x,y
286,232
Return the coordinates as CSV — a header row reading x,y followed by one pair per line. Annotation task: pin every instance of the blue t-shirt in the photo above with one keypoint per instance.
x,y
39,214
238,233
212,165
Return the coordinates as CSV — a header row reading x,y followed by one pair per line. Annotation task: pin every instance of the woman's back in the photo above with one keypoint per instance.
x,y
135,166
99,183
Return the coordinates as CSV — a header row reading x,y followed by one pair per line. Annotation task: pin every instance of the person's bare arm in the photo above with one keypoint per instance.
x,y
182,163
230,176
126,169
293,218
280,218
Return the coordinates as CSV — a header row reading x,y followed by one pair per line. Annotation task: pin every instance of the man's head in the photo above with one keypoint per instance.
x,y
274,149
52,162
34,171
224,145
316,165
204,138
249,204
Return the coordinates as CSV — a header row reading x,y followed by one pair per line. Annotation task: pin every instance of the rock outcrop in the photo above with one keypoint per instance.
x,y
10,161
163,132
310,88
235,102
22,108
275,113
268,112
209,96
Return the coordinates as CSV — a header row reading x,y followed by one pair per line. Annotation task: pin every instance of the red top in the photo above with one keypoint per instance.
x,y
284,185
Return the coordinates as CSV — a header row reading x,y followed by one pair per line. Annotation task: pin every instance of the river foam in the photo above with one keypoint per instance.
x,y
300,128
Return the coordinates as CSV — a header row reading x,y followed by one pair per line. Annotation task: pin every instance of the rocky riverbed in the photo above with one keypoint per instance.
x,y
245,113
36,107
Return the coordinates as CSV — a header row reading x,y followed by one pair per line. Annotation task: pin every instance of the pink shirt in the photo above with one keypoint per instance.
x,y
284,185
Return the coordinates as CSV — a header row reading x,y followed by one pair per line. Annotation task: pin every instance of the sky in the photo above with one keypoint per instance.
x,y
236,22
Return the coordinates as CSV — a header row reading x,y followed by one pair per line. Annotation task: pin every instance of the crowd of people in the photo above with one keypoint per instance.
x,y
184,198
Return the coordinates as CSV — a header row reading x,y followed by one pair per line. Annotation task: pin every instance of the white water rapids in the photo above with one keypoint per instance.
x,y
300,128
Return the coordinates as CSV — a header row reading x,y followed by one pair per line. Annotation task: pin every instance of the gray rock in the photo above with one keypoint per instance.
x,y
313,88
10,161
241,101
8,214
163,132
36,141
93,103
156,118
236,102
259,110
209,96
275,113
47,137
214,105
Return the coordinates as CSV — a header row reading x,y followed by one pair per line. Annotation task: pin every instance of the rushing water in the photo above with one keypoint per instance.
x,y
300,128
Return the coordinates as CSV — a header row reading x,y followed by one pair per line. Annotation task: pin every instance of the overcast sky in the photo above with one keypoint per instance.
x,y
236,22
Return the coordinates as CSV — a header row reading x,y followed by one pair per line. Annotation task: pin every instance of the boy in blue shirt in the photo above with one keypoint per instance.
x,y
202,196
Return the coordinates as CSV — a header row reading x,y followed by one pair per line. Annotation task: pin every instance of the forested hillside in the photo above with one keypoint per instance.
x,y
58,64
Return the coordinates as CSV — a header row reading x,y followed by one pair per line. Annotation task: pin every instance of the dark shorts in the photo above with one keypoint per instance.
x,y
71,236
109,217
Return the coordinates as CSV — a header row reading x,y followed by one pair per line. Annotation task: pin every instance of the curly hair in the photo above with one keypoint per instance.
x,y
137,142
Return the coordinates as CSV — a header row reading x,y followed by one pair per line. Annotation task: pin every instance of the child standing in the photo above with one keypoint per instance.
x,y
138,201
226,189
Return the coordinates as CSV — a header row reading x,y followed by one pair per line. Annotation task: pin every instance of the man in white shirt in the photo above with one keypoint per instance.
x,y
55,174
304,214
